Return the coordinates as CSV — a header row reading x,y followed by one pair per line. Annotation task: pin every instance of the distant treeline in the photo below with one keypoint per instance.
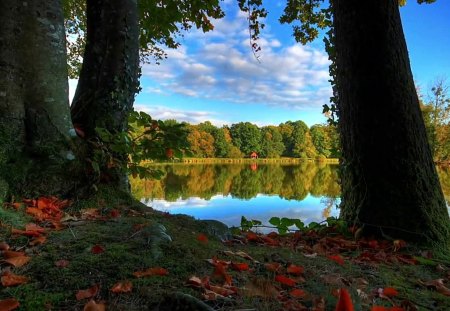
x,y
240,140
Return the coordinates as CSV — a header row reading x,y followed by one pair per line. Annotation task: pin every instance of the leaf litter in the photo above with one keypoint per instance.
x,y
283,283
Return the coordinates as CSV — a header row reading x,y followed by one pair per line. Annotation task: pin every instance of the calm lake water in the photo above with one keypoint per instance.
x,y
226,192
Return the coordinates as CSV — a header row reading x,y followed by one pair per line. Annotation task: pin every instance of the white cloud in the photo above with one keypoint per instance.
x,y
221,66
192,117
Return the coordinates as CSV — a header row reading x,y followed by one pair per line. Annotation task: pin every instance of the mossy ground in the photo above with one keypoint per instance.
x,y
54,288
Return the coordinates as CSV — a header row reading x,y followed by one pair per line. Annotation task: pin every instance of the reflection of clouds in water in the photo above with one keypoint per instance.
x,y
179,203
229,210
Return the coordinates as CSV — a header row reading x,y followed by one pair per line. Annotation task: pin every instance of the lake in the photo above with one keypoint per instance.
x,y
225,192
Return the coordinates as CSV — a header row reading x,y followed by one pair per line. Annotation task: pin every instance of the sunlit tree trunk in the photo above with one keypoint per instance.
x,y
389,182
34,111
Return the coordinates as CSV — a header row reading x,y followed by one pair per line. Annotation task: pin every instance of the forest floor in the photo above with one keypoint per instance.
x,y
115,254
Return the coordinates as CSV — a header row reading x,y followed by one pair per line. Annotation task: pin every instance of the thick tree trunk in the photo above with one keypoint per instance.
x,y
34,111
389,182
109,78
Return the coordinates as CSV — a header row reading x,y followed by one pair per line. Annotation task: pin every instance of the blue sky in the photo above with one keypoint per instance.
x,y
215,77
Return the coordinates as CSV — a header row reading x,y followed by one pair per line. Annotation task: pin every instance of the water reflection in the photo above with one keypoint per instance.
x,y
242,181
226,192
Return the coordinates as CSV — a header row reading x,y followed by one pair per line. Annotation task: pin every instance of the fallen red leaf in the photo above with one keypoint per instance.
x,y
93,306
390,292
252,237
122,287
151,272
295,270
337,258
114,213
11,279
344,302
285,280
87,293
297,293
4,246
239,266
97,249
62,263
9,304
202,238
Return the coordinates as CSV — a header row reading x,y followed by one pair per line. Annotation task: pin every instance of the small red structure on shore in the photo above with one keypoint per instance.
x,y
254,155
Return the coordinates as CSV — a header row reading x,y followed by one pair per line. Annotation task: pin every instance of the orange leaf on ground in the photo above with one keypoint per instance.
x,y
34,227
38,240
24,232
97,249
9,304
297,293
62,263
93,306
151,272
336,258
239,266
18,261
11,279
202,238
344,302
12,254
390,292
122,287
284,280
87,293
4,246
295,270
220,274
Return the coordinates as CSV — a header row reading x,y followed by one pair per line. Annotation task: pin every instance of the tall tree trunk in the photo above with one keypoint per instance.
x,y
389,182
34,110
109,75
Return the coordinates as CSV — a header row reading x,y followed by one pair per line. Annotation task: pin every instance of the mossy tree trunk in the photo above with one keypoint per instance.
x,y
35,123
109,77
389,182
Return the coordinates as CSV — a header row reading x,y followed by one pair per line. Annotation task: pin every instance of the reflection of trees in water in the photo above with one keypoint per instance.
x,y
206,180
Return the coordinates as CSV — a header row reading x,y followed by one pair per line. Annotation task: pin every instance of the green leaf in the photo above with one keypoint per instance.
x,y
275,221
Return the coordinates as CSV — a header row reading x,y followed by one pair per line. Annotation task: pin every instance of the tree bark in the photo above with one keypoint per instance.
x,y
389,182
109,75
35,120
